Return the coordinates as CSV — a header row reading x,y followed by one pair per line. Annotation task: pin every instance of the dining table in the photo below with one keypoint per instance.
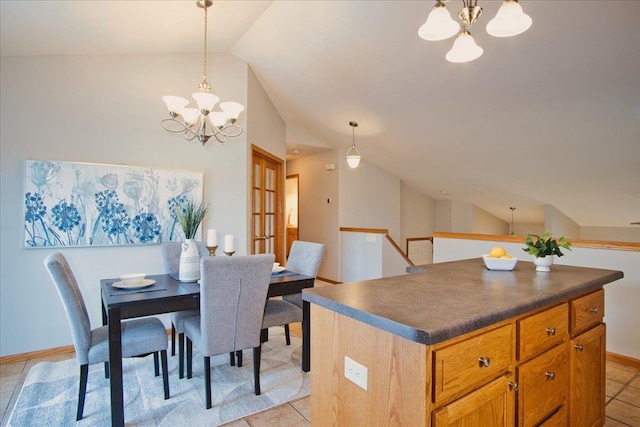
x,y
168,294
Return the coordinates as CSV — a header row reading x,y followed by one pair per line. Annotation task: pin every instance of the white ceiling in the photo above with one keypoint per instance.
x,y
551,116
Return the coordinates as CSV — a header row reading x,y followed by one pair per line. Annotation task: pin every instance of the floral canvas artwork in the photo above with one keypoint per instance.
x,y
85,204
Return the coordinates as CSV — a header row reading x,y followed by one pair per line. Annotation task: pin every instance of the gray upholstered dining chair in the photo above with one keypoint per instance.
x,y
304,258
171,256
233,292
139,336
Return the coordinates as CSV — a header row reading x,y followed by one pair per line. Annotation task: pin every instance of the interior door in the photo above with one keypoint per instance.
x,y
267,203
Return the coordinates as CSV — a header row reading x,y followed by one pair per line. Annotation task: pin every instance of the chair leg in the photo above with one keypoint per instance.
x,y
84,373
173,339
287,337
181,355
165,373
239,357
106,370
189,356
256,368
207,380
232,358
156,364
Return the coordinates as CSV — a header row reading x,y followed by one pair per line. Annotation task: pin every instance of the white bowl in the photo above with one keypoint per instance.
x,y
505,264
132,278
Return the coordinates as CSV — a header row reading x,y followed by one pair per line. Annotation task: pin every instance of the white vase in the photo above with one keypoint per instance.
x,y
189,262
543,264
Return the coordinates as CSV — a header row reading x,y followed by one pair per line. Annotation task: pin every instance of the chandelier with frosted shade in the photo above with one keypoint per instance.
x,y
203,122
353,155
509,21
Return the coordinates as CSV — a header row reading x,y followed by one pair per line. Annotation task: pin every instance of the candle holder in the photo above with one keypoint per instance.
x,y
212,250
229,253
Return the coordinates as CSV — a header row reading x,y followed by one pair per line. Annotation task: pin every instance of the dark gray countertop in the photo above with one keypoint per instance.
x,y
452,298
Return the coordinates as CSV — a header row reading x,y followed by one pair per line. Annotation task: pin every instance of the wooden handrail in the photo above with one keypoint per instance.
x,y
365,230
577,243
380,231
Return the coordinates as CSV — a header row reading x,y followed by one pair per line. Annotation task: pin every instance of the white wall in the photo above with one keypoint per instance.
x,y
616,234
622,297
369,197
417,215
559,224
486,223
319,204
524,229
104,109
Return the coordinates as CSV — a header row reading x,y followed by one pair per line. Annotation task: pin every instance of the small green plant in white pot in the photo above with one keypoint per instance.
x,y
189,217
543,247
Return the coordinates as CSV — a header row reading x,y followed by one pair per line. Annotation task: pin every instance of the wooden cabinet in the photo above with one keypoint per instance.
x,y
588,378
543,384
490,405
543,368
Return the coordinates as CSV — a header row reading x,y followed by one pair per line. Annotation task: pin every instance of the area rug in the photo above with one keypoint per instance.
x,y
50,391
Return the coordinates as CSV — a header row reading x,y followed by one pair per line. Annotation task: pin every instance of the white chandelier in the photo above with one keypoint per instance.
x,y
509,21
203,122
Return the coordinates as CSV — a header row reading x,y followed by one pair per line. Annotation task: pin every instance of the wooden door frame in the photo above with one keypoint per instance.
x,y
279,202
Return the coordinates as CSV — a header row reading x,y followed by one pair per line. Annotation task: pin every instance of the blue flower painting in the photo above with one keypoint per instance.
x,y
83,204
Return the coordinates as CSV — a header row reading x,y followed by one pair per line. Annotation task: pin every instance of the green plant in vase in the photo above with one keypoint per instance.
x,y
189,216
543,247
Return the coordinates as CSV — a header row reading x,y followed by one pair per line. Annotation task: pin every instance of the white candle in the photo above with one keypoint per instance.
x,y
228,243
211,238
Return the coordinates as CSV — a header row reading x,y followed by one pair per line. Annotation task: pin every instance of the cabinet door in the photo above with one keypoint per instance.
x,y
544,383
489,406
588,378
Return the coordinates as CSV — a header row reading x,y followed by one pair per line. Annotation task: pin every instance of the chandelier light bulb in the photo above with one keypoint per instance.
x,y
439,24
509,21
464,48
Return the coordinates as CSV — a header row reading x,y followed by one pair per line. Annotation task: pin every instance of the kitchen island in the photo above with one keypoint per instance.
x,y
460,343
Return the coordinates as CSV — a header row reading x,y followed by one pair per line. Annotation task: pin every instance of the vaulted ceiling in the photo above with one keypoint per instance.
x,y
551,116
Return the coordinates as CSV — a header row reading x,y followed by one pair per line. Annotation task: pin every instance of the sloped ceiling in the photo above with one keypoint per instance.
x,y
551,116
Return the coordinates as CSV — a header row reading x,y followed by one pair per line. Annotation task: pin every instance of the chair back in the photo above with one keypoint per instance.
x,y
74,305
233,293
305,257
171,254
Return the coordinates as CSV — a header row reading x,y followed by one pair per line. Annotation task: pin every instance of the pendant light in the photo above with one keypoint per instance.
x,y
353,155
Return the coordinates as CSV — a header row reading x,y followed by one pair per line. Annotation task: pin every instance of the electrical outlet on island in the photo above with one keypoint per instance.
x,y
355,372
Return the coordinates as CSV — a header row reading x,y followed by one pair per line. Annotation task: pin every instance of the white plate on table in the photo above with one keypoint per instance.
x,y
141,284
278,269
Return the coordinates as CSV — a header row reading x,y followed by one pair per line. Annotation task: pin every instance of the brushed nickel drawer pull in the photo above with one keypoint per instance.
x,y
593,310
550,375
551,331
484,361
578,347
514,386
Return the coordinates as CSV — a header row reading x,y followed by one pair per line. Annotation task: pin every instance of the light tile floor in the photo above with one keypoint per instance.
x,y
622,396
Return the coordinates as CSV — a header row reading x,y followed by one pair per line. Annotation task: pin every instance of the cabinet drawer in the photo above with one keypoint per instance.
x,y
559,419
586,312
471,363
490,405
543,385
542,331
